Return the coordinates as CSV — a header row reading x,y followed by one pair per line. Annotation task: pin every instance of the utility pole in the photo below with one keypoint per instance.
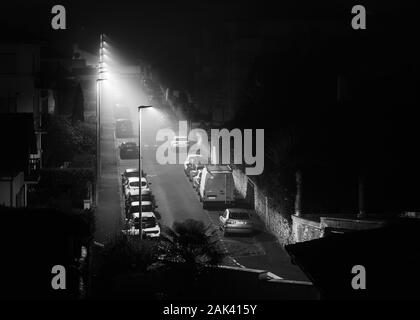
x,y
140,170
98,119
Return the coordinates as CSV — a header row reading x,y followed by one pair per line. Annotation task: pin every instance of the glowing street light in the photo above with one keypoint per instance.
x,y
98,115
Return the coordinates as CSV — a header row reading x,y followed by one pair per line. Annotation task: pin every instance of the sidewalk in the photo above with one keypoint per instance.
x,y
108,213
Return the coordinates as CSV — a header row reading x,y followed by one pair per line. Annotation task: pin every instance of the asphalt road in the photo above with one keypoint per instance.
x,y
175,197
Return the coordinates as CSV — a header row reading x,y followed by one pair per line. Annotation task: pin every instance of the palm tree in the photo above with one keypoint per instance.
x,y
192,243
188,249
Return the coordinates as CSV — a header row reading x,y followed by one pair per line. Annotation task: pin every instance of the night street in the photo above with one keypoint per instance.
x,y
175,198
210,151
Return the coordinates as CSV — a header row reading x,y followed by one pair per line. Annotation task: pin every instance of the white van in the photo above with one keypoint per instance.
x,y
217,186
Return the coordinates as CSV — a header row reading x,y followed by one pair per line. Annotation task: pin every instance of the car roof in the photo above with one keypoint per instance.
x,y
144,192
133,179
123,120
129,170
236,210
144,214
143,203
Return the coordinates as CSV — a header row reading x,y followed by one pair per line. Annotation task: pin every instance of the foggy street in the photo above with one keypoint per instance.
x,y
175,197
209,150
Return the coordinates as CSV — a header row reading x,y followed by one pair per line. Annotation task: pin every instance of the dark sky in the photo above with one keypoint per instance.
x,y
165,32
148,27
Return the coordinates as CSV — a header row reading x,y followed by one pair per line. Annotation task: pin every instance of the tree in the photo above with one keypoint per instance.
x,y
65,140
192,243
187,251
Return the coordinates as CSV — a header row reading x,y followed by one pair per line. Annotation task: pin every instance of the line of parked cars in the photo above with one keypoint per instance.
x,y
215,186
134,187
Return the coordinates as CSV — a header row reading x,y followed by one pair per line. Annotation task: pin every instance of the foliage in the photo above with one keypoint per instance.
x,y
65,140
127,254
172,266
193,243
56,182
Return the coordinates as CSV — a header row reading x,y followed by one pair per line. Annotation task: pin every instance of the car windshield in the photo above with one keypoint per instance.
x,y
130,145
147,208
134,184
145,197
239,215
147,222
135,197
132,174
134,209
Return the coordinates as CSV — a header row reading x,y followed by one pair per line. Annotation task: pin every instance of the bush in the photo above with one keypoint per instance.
x,y
65,140
56,182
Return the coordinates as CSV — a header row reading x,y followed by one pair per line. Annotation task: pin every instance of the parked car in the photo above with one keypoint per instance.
x,y
146,195
196,181
133,183
123,128
133,207
217,186
129,150
129,173
235,220
191,159
150,226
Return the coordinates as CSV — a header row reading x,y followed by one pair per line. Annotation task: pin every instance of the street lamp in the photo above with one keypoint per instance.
x,y
140,171
98,117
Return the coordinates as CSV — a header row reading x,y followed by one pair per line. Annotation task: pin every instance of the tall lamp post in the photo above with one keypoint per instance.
x,y
140,171
98,116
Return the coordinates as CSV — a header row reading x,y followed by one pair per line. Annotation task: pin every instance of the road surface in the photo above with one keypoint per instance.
x,y
175,197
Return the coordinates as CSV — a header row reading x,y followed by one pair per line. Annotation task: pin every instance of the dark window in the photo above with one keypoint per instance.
x,y
147,222
239,215
146,208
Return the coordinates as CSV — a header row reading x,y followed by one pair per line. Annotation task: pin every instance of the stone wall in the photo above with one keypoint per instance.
x,y
270,213
306,228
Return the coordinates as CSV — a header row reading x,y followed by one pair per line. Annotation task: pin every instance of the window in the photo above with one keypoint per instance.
x,y
147,222
239,215
134,184
146,208
134,209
